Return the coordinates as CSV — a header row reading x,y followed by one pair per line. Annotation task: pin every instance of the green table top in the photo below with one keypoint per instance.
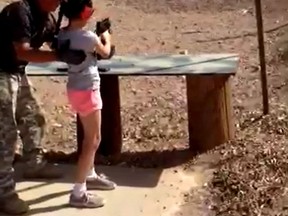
x,y
151,65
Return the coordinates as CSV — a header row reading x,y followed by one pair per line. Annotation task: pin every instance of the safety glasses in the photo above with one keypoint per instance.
x,y
87,12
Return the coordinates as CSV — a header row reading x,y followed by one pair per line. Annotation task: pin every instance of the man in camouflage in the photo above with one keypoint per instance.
x,y
25,26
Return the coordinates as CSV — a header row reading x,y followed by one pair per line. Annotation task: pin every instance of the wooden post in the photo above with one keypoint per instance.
x,y
261,46
111,143
209,111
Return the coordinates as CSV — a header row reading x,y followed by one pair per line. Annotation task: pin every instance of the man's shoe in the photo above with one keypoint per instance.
x,y
13,205
46,171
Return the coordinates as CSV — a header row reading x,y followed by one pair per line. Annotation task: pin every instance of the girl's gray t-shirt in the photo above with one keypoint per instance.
x,y
84,76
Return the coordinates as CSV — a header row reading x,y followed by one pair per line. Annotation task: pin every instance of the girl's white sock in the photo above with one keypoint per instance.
x,y
92,174
79,189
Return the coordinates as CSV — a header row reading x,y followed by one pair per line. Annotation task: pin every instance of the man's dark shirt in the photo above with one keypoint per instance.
x,y
23,22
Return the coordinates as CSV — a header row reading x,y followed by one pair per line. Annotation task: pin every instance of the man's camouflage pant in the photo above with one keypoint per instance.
x,y
19,111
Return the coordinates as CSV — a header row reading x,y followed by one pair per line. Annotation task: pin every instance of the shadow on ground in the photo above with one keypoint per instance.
x,y
154,187
133,169
148,159
123,176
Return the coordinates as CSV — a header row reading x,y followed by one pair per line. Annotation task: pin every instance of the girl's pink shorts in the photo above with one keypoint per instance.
x,y
86,101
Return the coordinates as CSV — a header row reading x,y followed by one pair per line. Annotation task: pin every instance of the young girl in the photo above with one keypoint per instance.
x,y
84,96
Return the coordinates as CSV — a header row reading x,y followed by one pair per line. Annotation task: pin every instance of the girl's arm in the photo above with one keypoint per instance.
x,y
104,49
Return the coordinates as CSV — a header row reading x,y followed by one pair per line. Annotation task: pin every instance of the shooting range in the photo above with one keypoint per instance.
x,y
186,110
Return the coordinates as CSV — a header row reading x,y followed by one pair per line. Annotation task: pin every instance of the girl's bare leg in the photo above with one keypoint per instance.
x,y
91,125
98,182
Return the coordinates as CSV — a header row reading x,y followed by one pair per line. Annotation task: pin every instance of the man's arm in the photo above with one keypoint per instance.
x,y
25,53
21,35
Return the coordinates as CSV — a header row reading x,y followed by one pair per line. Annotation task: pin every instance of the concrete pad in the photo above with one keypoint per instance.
x,y
151,192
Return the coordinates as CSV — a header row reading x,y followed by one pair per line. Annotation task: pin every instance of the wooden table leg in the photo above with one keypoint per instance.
x,y
111,116
111,143
209,111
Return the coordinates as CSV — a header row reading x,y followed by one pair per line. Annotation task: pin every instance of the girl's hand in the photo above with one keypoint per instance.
x,y
106,36
104,47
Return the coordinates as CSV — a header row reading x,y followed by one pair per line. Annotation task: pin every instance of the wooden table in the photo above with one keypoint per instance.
x,y
208,94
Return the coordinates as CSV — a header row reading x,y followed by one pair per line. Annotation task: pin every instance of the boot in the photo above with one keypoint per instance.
x,y
43,171
13,205
38,168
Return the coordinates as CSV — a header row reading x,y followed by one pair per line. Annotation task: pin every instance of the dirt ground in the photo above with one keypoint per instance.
x,y
159,27
169,26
